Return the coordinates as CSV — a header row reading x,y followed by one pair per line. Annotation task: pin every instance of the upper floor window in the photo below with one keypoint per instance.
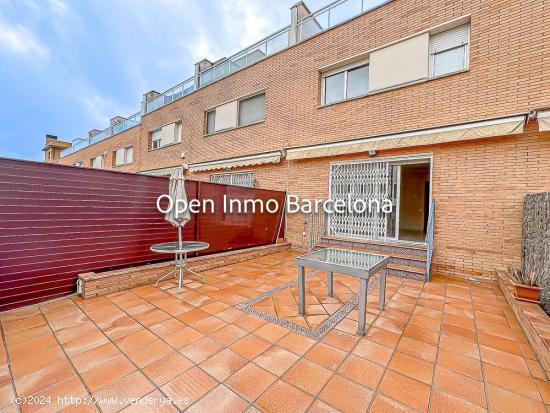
x,y
97,162
449,51
123,156
345,83
241,112
167,135
234,178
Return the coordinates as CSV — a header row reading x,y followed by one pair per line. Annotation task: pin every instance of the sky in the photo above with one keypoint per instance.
x,y
67,67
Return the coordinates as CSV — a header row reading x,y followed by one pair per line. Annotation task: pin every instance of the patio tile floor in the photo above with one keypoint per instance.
x,y
446,345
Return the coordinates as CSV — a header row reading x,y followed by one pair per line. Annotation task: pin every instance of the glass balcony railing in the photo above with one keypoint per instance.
x,y
258,51
334,14
184,88
117,128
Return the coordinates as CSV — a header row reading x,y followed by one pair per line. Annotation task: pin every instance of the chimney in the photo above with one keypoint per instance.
x,y
297,12
116,119
52,149
201,67
146,97
93,132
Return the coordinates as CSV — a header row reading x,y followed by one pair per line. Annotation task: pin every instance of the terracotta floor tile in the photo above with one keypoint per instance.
x,y
460,385
193,316
151,317
229,315
496,330
504,401
373,351
183,337
134,385
45,377
220,399
442,402
135,340
544,389
282,397
421,334
504,360
405,390
154,402
106,373
412,367
308,376
6,394
356,397
250,381
276,360
94,357
250,322
499,343
165,369
460,346
384,404
25,335
321,407
296,343
167,327
271,332
223,364
417,348
202,349
228,334
59,395
250,346
325,355
388,324
143,356
348,326
341,340
535,369
459,363
512,381
31,346
193,384
362,371
457,331
386,338
214,307
36,361
14,326
209,325
425,322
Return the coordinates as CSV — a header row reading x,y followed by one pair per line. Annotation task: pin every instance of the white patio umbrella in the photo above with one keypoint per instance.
x,y
177,193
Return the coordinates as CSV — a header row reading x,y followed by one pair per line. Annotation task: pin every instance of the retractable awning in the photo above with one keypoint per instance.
x,y
543,119
474,130
257,159
161,171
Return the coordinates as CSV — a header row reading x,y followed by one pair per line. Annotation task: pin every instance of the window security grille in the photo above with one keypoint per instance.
x,y
245,179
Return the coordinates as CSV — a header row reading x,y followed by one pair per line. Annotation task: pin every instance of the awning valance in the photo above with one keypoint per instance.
x,y
475,130
543,119
258,159
161,171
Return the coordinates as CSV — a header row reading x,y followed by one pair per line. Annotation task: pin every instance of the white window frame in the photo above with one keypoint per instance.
x,y
466,47
213,110
102,161
125,155
345,70
178,128
232,176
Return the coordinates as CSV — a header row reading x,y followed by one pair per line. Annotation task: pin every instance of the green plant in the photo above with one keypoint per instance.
x,y
519,276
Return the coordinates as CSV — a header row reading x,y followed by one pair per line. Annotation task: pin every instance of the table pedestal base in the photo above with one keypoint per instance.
x,y
180,268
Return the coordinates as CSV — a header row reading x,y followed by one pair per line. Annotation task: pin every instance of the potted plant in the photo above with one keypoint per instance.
x,y
525,284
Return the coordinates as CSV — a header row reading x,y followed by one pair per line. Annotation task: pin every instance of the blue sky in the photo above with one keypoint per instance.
x,y
67,67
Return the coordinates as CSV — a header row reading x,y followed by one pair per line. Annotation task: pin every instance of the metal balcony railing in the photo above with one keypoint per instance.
x,y
81,143
176,92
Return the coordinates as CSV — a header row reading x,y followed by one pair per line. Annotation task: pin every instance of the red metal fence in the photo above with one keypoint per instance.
x,y
59,221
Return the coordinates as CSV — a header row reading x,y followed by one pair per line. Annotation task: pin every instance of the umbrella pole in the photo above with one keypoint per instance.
x,y
179,236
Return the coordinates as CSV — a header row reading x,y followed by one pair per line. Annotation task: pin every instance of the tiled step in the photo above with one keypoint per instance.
x,y
407,260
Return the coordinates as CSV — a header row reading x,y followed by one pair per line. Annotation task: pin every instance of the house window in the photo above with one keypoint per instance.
x,y
346,83
210,122
123,156
251,110
449,51
97,162
79,163
167,135
235,178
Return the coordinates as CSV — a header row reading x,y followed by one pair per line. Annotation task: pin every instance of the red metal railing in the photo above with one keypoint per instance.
x,y
59,221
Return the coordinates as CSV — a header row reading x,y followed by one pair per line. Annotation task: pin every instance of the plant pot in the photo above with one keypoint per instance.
x,y
527,292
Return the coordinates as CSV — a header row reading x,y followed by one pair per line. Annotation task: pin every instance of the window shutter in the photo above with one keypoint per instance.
x,y
210,122
119,157
450,39
251,110
98,162
130,154
168,134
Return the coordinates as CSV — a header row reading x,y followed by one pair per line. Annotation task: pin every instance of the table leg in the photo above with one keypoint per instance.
x,y
180,270
301,290
382,283
363,283
330,283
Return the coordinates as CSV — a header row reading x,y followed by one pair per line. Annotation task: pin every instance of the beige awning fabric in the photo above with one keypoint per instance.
x,y
259,159
476,130
162,171
543,119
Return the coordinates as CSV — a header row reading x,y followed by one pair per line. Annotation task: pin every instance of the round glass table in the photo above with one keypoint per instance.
x,y
180,250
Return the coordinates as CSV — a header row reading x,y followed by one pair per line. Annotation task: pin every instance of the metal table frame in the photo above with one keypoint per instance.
x,y
363,275
180,251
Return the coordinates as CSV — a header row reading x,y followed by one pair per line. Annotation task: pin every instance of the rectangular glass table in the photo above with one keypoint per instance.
x,y
353,263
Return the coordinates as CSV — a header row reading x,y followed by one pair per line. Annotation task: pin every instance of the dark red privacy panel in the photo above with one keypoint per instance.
x,y
58,221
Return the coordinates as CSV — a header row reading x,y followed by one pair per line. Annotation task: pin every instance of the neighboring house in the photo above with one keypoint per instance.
x,y
417,101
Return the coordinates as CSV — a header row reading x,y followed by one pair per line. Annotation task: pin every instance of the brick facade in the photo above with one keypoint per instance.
x,y
478,185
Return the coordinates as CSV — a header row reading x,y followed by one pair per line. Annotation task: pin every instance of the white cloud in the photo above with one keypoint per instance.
x,y
20,40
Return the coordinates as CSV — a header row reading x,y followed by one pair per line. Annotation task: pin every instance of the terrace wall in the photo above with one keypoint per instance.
x,y
59,221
